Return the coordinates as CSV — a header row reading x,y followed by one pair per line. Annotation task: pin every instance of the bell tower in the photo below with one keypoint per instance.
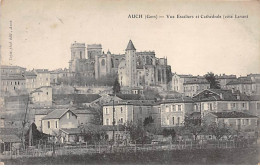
x,y
130,56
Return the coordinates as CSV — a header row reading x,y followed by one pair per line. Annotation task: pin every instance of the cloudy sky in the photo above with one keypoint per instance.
x,y
43,31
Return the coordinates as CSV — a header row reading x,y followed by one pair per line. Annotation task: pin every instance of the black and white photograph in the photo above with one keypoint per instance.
x,y
129,82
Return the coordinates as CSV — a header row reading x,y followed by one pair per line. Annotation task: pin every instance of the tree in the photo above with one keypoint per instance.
x,y
211,78
116,87
194,127
169,132
148,120
137,133
218,130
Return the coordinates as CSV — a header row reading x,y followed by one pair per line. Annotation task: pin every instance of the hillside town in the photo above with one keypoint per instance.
x,y
126,99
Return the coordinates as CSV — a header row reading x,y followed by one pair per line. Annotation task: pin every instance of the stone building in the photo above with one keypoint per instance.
x,y
142,69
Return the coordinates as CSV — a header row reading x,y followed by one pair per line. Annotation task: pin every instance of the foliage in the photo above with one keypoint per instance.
x,y
138,133
211,78
151,94
169,132
116,87
194,126
218,130
92,135
148,120
36,135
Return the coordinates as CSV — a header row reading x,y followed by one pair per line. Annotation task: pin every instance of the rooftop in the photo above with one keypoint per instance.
x,y
56,114
232,114
130,46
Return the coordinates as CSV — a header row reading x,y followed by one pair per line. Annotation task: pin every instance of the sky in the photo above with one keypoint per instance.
x,y
43,30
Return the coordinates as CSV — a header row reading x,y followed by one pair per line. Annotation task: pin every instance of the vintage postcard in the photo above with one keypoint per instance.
x,y
120,82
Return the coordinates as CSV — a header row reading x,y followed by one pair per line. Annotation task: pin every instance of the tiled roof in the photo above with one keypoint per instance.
x,y
29,74
13,77
130,46
226,77
11,66
71,130
56,114
76,98
237,82
129,96
10,131
9,138
42,70
196,82
233,114
179,100
43,111
83,111
132,102
216,94
254,98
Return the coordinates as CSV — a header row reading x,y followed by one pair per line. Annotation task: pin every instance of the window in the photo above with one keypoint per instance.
x,y
257,106
178,121
103,62
167,108
121,109
49,124
80,54
172,120
47,93
233,105
173,107
68,115
179,107
210,106
121,120
56,124
107,112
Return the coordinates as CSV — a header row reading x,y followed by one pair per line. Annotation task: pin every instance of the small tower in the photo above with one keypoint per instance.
x,y
130,55
78,51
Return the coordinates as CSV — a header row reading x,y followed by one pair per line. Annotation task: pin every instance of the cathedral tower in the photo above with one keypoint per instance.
x,y
130,56
77,51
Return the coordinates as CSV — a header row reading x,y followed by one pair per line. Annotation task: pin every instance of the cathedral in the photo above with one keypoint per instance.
x,y
134,69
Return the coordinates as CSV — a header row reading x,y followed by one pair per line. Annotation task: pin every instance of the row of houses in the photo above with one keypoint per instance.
x,y
219,103
189,85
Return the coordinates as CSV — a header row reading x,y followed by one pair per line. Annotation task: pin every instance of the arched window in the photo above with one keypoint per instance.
x,y
103,62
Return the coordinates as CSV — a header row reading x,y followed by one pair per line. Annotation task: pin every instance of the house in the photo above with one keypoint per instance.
x,y
237,120
79,134
9,139
85,116
254,105
173,112
30,80
13,85
193,87
224,79
71,135
43,77
42,96
220,100
59,118
126,111
178,81
39,113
